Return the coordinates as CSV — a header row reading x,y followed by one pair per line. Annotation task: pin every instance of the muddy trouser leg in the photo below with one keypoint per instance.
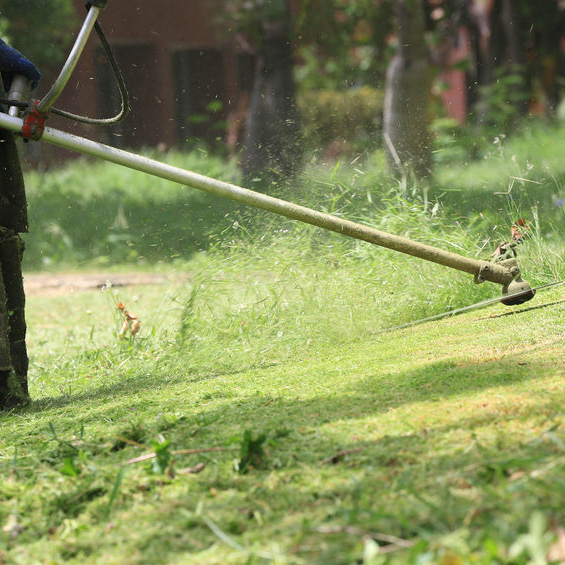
x,y
13,221
13,351
5,356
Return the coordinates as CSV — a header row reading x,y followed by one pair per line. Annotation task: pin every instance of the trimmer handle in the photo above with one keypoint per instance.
x,y
94,7
19,90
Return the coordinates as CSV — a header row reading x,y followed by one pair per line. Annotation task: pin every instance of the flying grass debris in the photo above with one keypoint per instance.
x,y
131,322
519,232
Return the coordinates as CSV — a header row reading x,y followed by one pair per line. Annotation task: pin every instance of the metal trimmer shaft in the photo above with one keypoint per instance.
x,y
507,275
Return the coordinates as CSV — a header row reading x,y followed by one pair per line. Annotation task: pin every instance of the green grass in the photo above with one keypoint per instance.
x,y
512,175
264,364
97,215
447,435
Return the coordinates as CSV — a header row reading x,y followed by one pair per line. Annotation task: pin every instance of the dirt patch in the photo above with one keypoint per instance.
x,y
43,283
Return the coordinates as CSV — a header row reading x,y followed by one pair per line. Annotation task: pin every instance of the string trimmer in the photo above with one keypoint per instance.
x,y
27,118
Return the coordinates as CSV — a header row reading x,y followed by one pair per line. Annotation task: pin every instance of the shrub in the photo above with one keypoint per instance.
x,y
343,121
503,103
453,143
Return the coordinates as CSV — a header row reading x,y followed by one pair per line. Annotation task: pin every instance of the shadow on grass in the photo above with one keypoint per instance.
x,y
362,396
120,228
498,202
411,485
404,484
524,310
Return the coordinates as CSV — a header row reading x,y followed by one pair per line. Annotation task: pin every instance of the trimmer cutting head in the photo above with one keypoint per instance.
x,y
518,291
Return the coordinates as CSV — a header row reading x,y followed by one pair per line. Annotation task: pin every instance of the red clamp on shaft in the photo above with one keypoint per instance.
x,y
34,122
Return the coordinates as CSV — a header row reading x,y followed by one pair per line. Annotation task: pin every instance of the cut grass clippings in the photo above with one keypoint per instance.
x,y
439,440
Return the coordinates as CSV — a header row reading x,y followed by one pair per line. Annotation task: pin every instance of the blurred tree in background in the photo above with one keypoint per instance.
x,y
406,117
271,143
514,60
515,63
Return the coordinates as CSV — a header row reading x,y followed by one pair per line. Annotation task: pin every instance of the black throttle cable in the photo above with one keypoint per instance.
x,y
124,96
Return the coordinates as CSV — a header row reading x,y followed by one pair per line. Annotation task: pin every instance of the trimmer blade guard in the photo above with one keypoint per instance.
x,y
519,291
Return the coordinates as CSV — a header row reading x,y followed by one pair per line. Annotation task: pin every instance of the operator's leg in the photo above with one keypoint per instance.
x,y
13,220
11,252
5,355
13,360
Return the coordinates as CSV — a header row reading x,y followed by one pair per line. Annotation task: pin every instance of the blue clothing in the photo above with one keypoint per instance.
x,y
12,62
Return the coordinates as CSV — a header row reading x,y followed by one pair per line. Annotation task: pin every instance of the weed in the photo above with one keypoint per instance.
x,y
114,492
535,544
70,468
252,453
162,463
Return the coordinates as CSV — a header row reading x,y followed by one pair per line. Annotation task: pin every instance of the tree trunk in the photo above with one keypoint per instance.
x,y
271,144
516,56
544,43
407,94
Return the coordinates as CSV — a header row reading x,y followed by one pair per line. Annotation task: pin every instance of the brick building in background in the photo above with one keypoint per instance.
x,y
186,78
183,75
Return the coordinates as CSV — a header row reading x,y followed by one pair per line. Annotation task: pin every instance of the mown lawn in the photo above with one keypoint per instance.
x,y
441,443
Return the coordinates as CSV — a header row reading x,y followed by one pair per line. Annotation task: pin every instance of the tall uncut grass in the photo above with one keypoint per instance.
x,y
100,215
262,288
252,270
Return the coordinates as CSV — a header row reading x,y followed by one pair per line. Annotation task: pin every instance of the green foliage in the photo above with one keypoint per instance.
x,y
41,30
163,460
342,43
338,43
350,118
536,543
502,102
115,491
70,468
249,16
